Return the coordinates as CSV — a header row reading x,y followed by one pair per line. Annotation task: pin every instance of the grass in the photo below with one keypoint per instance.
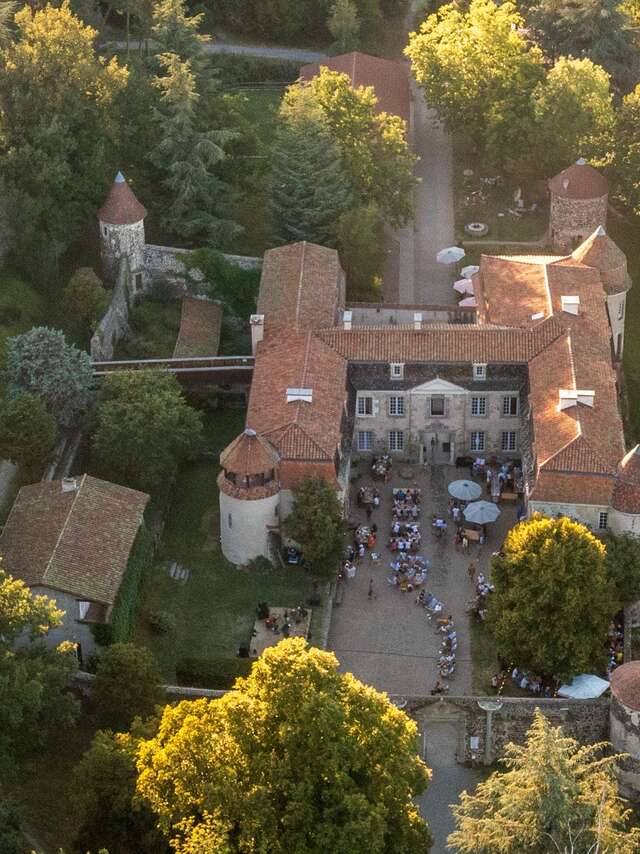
x,y
215,608
155,328
495,200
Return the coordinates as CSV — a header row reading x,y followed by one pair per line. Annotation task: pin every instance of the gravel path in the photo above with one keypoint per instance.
x,y
215,46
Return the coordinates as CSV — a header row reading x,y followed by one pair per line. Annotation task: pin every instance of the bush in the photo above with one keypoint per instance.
x,y
254,69
102,633
127,685
236,288
124,608
161,622
217,672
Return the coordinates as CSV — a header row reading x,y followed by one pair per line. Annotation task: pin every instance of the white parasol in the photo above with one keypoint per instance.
x,y
481,512
465,490
468,302
469,271
464,286
450,255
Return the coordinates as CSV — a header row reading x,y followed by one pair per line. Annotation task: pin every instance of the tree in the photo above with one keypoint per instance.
x,y
127,685
375,152
344,26
478,72
299,756
553,600
626,162
84,303
34,702
144,428
552,793
11,838
622,563
574,114
309,189
27,433
316,523
188,158
7,11
177,32
103,793
57,124
361,244
41,362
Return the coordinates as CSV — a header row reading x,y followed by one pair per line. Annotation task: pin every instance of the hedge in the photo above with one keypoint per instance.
x,y
235,69
216,672
138,566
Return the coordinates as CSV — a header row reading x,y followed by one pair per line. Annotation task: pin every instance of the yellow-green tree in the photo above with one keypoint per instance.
x,y
299,757
554,795
553,599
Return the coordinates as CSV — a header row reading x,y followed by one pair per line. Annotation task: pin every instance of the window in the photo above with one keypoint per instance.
x,y
509,440
230,521
477,440
621,309
104,230
396,406
397,370
138,281
479,371
603,519
478,405
365,406
365,440
510,405
436,405
396,440
83,609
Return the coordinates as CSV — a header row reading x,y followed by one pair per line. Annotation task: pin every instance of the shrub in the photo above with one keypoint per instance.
x,y
162,622
127,684
217,672
124,608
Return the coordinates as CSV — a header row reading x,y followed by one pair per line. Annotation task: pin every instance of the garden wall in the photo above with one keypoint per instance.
x,y
162,263
115,324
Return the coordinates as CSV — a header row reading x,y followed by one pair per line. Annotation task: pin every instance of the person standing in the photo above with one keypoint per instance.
x,y
370,591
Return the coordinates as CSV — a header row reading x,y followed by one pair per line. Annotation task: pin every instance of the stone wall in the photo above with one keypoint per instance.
x,y
625,738
115,324
585,720
71,629
163,263
587,514
385,314
571,221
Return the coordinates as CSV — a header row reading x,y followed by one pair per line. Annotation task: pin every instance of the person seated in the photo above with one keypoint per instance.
x,y
395,528
495,681
438,688
401,495
371,541
420,599
415,511
430,601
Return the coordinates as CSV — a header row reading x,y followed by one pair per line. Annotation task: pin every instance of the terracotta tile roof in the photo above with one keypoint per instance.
x,y
77,541
296,428
249,454
601,252
121,206
626,494
579,181
390,79
625,684
573,488
301,287
200,323
510,290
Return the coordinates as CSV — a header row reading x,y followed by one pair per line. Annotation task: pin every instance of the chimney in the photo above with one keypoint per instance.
x,y
303,394
69,484
417,320
347,319
256,321
570,304
586,396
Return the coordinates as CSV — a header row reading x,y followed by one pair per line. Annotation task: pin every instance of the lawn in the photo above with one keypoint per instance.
x,y
215,607
155,328
477,201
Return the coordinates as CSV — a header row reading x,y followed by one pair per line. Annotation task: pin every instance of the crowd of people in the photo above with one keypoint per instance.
x,y
615,640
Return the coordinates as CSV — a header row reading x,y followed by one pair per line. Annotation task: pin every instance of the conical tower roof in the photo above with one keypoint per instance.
x,y
121,206
579,181
249,454
601,252
626,492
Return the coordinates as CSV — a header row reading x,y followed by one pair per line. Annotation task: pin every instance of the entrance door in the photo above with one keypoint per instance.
x,y
437,448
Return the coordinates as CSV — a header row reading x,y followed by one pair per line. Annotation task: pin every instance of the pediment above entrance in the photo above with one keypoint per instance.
x,y
438,386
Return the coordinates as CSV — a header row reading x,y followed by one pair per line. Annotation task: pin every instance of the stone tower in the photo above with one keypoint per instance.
x,y
579,198
249,497
122,232
624,725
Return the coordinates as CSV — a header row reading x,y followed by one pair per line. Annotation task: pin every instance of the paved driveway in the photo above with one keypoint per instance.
x,y
387,640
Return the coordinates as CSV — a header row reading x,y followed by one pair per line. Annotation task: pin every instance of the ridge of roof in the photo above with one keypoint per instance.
x,y
65,525
577,455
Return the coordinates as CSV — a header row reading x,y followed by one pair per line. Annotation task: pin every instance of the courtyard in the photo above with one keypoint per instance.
x,y
386,640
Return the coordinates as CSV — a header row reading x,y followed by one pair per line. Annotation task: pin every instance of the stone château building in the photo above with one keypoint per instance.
x,y
579,196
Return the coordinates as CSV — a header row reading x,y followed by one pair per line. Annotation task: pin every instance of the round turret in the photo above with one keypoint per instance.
x,y
624,723
579,198
122,232
249,497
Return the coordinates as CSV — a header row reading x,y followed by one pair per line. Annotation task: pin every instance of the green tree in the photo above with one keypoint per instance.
x,y
7,12
626,159
41,362
362,248
478,71
144,428
34,702
316,523
220,279
127,685
27,433
177,32
188,158
84,302
344,26
574,114
375,153
554,794
553,600
56,126
299,756
103,792
622,563
309,189
11,838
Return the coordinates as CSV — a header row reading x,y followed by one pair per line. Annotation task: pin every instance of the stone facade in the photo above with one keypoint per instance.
x,y
115,323
571,221
122,241
245,522
72,628
625,738
587,514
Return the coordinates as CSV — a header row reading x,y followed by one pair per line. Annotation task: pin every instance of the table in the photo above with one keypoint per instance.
x,y
264,637
472,535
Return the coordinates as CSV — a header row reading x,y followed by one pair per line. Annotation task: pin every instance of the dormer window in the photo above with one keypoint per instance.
x,y
397,370
303,394
479,371
570,304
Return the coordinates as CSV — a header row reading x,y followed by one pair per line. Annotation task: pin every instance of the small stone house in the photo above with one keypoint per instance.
x,y
70,540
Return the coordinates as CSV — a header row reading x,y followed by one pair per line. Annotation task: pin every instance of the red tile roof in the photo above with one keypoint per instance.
x,y
200,323
626,494
76,541
249,454
579,181
572,488
601,252
389,79
121,206
301,287
625,684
